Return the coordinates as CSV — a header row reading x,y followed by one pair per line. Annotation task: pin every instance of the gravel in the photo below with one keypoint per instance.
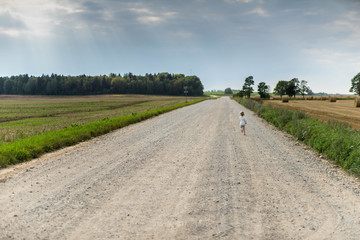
x,y
187,174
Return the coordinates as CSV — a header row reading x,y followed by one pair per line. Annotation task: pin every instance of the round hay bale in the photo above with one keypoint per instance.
x,y
310,98
332,99
257,98
357,102
285,99
323,98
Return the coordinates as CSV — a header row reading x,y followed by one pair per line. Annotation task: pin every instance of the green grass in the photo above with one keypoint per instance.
x,y
336,140
32,137
21,118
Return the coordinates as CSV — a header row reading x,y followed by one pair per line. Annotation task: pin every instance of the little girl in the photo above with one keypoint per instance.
x,y
242,122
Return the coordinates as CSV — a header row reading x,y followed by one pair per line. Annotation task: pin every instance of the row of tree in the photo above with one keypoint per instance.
x,y
291,88
247,89
161,84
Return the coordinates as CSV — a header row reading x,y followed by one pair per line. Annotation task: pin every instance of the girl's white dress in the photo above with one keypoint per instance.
x,y
242,121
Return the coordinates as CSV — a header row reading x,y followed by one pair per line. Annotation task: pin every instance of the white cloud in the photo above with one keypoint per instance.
x,y
148,16
141,11
329,56
10,32
258,11
150,19
351,24
354,15
11,25
169,14
38,17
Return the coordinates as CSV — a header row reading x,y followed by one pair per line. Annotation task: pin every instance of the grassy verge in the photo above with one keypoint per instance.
x,y
32,147
336,140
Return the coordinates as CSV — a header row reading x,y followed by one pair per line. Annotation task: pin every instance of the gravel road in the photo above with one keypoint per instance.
x,y
187,174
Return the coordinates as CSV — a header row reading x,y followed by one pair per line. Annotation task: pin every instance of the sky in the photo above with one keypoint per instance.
x,y
220,41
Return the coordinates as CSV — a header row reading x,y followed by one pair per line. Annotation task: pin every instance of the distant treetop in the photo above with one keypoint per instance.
x,y
161,83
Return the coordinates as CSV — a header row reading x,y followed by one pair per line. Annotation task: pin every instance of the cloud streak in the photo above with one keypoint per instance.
x,y
258,11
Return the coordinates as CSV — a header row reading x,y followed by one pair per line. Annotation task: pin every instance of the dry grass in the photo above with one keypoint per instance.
x,y
342,111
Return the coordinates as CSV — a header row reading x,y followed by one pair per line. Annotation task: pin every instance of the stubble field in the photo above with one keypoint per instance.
x,y
341,110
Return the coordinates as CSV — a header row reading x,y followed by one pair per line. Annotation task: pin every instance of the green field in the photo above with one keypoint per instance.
x,y
26,116
31,126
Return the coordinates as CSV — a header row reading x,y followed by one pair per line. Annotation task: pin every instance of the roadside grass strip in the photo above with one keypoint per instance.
x,y
29,148
338,141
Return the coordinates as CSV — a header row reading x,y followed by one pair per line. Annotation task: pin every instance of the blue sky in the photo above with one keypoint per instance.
x,y
221,41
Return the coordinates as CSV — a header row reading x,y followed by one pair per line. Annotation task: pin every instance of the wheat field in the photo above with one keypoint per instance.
x,y
341,110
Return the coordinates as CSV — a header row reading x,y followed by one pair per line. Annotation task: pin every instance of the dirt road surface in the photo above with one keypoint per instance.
x,y
187,174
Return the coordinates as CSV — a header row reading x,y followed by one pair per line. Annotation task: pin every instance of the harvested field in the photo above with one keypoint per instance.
x,y
342,111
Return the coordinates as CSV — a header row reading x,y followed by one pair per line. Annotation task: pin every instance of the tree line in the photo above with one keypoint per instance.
x,y
158,84
291,88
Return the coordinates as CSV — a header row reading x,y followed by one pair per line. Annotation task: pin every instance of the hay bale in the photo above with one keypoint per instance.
x,y
332,99
257,98
310,98
357,102
323,98
285,99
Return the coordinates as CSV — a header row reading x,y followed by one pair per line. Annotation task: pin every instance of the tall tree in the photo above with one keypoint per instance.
x,y
228,91
304,88
355,84
293,87
281,88
263,90
8,86
247,87
195,86
30,86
